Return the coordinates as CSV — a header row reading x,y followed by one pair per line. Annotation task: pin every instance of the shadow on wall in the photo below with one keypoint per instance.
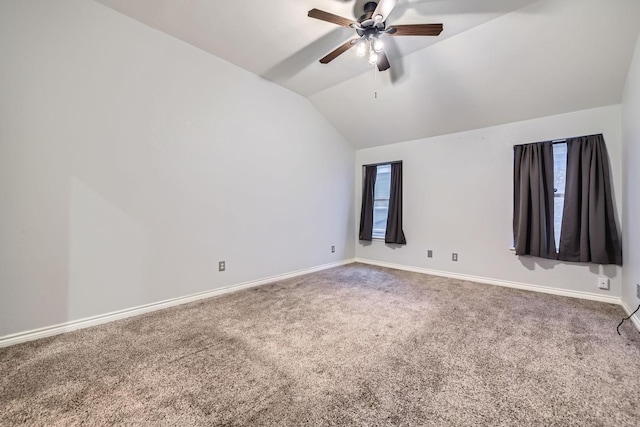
x,y
533,263
107,253
394,246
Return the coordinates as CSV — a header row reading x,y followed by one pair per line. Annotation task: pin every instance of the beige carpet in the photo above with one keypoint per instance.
x,y
355,345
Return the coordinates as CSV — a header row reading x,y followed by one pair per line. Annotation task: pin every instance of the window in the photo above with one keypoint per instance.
x,y
565,185
381,212
382,193
559,181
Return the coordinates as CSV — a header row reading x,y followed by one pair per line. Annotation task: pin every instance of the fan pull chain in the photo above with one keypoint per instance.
x,y
375,81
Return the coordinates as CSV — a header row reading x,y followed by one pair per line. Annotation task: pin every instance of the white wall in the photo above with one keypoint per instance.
x,y
458,197
131,162
631,180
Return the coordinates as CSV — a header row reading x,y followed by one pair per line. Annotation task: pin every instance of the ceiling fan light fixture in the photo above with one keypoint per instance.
x,y
373,58
361,49
378,18
378,45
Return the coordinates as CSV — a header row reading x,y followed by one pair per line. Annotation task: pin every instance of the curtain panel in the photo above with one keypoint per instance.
x,y
394,233
589,229
533,200
366,211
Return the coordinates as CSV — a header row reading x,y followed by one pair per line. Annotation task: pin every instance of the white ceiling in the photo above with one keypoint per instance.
x,y
497,61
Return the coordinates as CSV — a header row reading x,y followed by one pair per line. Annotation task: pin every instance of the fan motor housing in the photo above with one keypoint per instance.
x,y
368,32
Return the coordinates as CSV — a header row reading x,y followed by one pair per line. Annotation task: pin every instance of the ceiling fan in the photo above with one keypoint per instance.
x,y
369,28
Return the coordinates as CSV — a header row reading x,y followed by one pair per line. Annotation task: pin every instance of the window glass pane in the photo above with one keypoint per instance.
x,y
559,181
383,182
557,218
380,211
559,167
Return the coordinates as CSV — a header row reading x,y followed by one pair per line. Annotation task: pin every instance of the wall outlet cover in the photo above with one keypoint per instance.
x,y
638,291
333,249
454,257
222,266
603,283
429,253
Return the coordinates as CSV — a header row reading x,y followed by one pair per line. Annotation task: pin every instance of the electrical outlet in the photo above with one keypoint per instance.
x,y
603,283
638,291
454,257
222,266
429,253
333,249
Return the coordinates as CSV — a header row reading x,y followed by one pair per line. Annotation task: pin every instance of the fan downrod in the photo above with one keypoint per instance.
x,y
366,20
368,26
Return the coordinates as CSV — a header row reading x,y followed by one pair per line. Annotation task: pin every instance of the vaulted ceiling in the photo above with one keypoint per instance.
x,y
497,61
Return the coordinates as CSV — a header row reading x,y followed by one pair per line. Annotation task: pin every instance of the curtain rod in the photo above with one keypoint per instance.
x,y
559,141
555,141
383,163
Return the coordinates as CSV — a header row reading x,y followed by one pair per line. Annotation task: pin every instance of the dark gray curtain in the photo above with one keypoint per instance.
x,y
589,231
533,200
394,218
366,212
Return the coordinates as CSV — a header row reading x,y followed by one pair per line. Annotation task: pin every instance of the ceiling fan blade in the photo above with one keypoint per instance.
x,y
416,30
383,61
383,10
330,17
339,51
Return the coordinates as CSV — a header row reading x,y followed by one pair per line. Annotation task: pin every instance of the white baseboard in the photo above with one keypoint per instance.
x,y
635,319
73,325
21,337
497,282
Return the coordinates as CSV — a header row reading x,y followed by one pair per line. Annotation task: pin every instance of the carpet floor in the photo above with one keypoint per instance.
x,y
351,346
